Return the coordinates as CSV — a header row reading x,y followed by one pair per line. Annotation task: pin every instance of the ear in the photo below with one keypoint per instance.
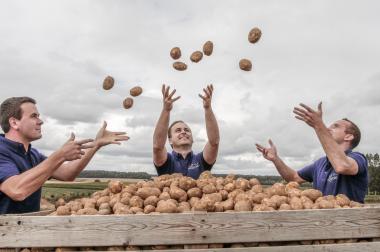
x,y
13,122
349,137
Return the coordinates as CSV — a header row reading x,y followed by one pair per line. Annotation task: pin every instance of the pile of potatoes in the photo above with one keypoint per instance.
x,y
177,194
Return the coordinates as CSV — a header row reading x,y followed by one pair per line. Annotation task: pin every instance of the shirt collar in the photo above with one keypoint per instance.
x,y
179,156
14,145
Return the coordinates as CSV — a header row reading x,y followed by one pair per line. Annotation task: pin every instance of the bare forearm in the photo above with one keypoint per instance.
x,y
334,153
285,171
212,128
26,183
70,170
161,130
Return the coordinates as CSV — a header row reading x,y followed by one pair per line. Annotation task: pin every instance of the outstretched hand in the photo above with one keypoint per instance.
x,y
168,99
312,117
73,150
207,97
105,137
268,153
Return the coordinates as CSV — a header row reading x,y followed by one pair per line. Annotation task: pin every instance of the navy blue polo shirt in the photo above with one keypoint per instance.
x,y
192,166
13,161
325,179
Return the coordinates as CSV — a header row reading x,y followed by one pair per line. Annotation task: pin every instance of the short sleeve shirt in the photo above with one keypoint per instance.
x,y
325,179
15,160
192,165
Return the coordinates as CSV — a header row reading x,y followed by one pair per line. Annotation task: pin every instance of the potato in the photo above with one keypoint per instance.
x,y
326,204
355,204
151,200
104,211
307,202
108,83
208,47
243,205
149,209
294,192
125,199
257,189
254,35
254,181
210,188
203,205
260,208
166,206
229,187
177,193
245,65
311,194
285,206
194,192
63,210
184,207
224,194
342,200
218,207
135,91
121,209
175,53
291,185
164,196
193,200
296,203
205,175
128,103
102,200
196,56
145,192
130,189
186,183
105,206
242,196
257,198
228,204
242,183
136,201
180,66
269,202
60,202
136,210
115,186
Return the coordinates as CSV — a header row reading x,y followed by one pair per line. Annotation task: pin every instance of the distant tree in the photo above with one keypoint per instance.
x,y
374,172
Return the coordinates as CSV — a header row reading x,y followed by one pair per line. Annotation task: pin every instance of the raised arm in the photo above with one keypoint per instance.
x,y
21,186
161,131
69,171
341,163
285,171
210,151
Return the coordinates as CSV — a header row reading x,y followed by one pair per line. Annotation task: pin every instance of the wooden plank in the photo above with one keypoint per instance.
x,y
347,247
188,228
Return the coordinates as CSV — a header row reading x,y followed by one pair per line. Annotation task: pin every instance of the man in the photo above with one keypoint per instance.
x,y
182,159
341,170
23,170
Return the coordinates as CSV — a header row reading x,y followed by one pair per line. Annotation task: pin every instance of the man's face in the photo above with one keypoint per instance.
x,y
338,131
29,126
181,135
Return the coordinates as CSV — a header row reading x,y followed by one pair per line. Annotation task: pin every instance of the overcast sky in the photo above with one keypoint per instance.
x,y
59,52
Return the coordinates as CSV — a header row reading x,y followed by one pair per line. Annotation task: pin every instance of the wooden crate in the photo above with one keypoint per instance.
x,y
197,228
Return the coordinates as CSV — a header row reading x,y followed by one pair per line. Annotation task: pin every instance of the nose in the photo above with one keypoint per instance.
x,y
40,122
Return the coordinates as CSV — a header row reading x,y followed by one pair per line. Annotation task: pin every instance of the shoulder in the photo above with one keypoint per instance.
x,y
358,157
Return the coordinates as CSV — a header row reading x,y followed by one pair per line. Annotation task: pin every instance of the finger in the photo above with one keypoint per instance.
x,y
299,113
84,141
212,87
206,92
173,100
167,91
118,133
270,143
82,153
163,89
115,142
124,138
72,137
104,125
320,107
204,98
306,107
209,90
260,146
300,110
171,94
300,118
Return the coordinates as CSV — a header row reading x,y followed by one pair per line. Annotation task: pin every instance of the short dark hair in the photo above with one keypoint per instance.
x,y
11,107
171,126
355,131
